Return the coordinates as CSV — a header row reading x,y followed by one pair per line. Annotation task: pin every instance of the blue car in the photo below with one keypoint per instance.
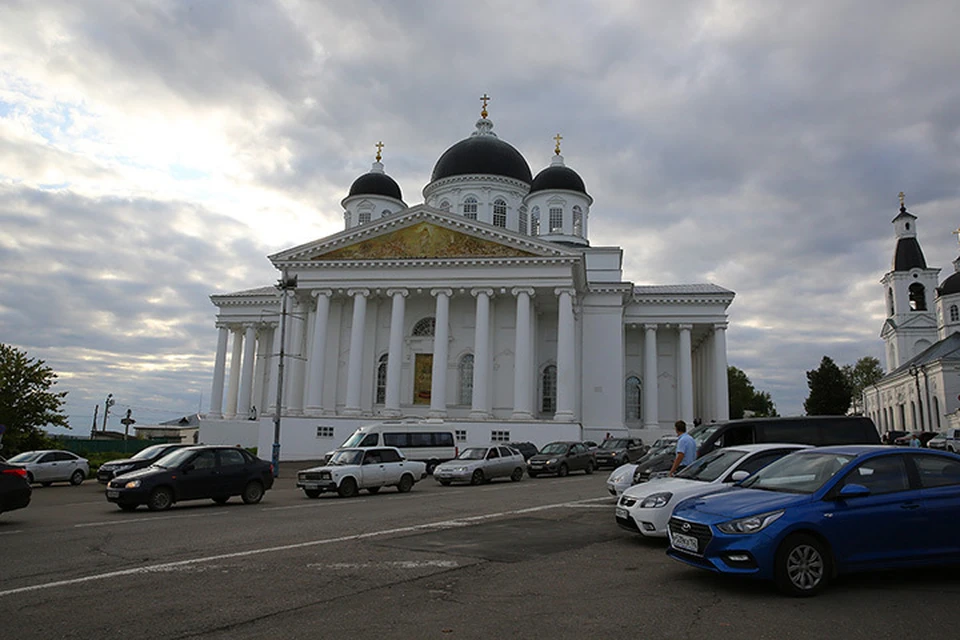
x,y
821,512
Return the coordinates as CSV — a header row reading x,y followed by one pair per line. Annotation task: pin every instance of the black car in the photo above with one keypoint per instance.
x,y
141,460
193,473
618,451
527,449
14,489
561,458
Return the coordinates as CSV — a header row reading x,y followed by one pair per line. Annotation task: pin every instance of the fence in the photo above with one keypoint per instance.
x,y
131,446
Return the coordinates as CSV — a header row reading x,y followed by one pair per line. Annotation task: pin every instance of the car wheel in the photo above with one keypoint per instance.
x,y
77,477
802,566
374,490
161,499
589,469
562,471
221,499
253,492
477,477
517,474
312,493
406,483
45,484
445,483
347,488
127,507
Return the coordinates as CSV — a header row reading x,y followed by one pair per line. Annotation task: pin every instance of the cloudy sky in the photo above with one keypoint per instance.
x,y
154,153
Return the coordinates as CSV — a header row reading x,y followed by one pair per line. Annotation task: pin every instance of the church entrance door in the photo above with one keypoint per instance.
x,y
422,377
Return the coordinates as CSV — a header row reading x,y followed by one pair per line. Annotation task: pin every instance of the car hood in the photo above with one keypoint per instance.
x,y
117,463
624,468
611,452
543,457
453,464
737,502
659,462
333,468
148,471
680,487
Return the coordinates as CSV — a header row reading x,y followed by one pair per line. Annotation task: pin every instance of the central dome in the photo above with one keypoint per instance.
x,y
482,154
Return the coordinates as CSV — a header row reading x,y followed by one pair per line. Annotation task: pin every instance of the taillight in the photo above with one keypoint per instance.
x,y
456,452
15,472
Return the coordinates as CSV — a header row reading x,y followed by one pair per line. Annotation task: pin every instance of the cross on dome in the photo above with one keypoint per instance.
x,y
379,147
485,98
901,196
558,138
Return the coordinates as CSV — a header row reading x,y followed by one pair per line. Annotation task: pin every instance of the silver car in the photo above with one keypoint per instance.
x,y
47,467
477,465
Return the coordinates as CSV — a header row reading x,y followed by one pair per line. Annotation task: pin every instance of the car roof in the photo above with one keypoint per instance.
x,y
859,449
766,446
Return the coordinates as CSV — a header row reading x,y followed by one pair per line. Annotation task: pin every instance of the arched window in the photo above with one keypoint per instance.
x,y
577,220
535,221
522,219
918,298
470,208
954,313
556,219
382,380
890,301
465,374
548,386
445,205
499,213
632,399
385,213
425,328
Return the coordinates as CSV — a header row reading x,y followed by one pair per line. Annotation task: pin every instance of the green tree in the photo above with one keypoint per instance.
x,y
744,397
861,375
27,401
829,390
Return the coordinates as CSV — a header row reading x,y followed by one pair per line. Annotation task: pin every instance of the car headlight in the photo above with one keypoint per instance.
x,y
552,461
459,469
753,524
132,484
627,501
656,500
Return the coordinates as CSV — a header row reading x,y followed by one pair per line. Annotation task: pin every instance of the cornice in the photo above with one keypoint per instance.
x,y
472,179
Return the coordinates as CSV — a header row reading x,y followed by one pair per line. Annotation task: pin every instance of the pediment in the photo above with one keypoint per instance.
x,y
919,321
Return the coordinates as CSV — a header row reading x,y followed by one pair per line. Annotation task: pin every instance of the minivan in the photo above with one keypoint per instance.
x,y
818,431
430,441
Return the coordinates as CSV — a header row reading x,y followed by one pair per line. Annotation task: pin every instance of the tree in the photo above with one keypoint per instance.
x,y
744,397
27,401
864,373
830,390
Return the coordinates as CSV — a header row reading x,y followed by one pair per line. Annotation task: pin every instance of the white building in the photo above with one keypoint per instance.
x,y
485,306
920,333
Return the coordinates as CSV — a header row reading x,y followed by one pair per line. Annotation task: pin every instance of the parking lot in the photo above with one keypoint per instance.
x,y
539,558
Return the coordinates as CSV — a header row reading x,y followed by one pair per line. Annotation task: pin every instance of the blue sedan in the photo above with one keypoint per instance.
x,y
821,512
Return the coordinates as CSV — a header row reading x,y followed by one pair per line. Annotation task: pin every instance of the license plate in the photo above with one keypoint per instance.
x,y
311,485
622,513
113,493
684,543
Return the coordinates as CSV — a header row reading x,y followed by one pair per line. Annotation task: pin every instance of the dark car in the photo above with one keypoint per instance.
x,y
141,460
889,437
527,449
14,489
193,473
923,436
617,451
561,458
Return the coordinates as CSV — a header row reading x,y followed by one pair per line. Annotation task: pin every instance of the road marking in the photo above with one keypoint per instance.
x,y
113,522
10,533
592,506
168,566
400,564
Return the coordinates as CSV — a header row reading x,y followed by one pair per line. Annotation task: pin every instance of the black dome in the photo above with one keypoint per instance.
x,y
483,154
950,285
375,184
908,255
558,177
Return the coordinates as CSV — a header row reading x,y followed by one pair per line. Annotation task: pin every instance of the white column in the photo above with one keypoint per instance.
x,y
219,368
651,418
566,353
295,335
260,381
481,355
355,365
391,405
686,375
721,394
441,346
234,387
246,373
523,357
318,351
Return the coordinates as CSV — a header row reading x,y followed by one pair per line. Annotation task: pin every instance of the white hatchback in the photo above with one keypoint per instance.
x,y
646,508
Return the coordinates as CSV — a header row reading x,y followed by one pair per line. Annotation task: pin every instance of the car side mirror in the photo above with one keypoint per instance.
x,y
854,491
739,476
187,468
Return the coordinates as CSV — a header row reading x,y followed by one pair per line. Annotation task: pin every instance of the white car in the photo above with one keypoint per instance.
x,y
370,468
477,465
646,508
47,467
621,478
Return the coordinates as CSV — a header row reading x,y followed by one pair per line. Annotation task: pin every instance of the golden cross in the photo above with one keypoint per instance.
x,y
379,147
558,138
485,98
901,195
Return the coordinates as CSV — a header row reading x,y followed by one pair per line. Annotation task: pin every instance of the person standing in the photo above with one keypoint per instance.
x,y
686,448
915,440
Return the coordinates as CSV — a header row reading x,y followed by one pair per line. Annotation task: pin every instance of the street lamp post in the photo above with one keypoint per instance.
x,y
106,409
284,284
918,412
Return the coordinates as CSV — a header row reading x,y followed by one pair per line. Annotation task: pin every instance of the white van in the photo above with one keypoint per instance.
x,y
429,441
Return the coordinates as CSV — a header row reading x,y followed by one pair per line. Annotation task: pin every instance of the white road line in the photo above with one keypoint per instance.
x,y
157,568
110,523
10,533
592,506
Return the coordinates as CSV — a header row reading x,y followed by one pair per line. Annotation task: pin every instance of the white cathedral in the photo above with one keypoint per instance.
x,y
921,334
485,307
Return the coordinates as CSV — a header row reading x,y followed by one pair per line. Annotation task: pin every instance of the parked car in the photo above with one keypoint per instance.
x,y
49,466
370,468
193,473
948,440
618,451
528,449
923,436
428,440
622,478
14,488
142,459
821,512
477,465
646,508
889,437
561,458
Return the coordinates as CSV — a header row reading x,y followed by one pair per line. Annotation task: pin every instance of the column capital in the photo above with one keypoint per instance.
x,y
353,293
568,290
249,325
222,324
650,326
316,293
516,291
441,292
720,326
481,290
394,292
685,327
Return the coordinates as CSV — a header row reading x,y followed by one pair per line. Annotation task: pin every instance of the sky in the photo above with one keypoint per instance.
x,y
154,153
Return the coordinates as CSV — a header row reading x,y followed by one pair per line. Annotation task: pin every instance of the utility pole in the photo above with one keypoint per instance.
x,y
126,422
284,284
106,409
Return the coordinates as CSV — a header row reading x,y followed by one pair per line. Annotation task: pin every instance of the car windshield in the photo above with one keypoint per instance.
x,y
474,453
349,456
149,452
798,472
554,448
613,444
666,442
703,433
174,458
354,439
712,466
27,456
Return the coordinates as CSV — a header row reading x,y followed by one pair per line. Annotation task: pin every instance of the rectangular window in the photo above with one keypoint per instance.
x,y
324,432
499,436
461,435
556,220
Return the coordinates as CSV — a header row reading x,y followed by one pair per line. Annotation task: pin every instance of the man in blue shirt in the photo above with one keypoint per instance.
x,y
686,448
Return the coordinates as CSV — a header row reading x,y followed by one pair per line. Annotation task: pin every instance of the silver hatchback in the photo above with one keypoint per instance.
x,y
47,467
477,465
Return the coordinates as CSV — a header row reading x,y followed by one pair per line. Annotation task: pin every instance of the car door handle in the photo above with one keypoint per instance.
x,y
910,505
